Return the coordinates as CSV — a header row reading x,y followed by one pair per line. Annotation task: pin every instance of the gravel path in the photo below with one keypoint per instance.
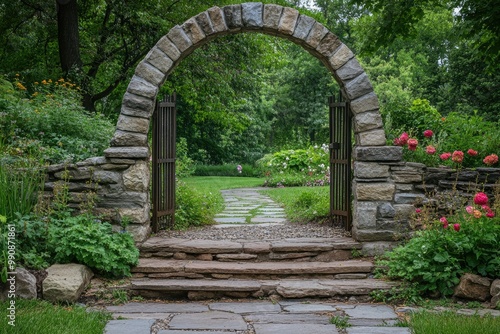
x,y
250,215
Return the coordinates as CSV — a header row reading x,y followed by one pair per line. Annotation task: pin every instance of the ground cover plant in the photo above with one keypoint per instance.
x,y
45,318
450,322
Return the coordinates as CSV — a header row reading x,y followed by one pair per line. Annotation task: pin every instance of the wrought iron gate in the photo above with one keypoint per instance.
x,y
163,147
340,162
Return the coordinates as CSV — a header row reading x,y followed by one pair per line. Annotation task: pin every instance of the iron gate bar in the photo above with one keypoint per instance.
x,y
163,160
340,162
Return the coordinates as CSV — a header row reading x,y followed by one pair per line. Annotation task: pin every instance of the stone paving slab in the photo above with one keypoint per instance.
x,y
372,312
209,320
242,308
288,318
295,329
168,331
159,308
309,308
136,326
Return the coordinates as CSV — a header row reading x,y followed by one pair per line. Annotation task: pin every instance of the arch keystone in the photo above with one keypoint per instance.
x,y
271,17
252,14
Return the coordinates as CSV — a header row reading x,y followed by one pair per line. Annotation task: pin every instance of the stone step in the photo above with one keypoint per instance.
x,y
197,289
161,268
297,249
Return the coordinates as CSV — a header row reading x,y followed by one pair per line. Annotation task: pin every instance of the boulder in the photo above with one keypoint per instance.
x,y
66,282
495,292
473,287
24,285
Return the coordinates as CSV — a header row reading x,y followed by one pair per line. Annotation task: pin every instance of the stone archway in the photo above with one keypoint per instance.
x,y
375,202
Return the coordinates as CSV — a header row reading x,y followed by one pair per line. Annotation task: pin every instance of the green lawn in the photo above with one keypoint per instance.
x,y
452,323
41,317
217,183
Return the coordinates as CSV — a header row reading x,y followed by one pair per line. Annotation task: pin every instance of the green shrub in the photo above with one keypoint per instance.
x,y
300,167
86,240
184,166
195,208
51,124
437,256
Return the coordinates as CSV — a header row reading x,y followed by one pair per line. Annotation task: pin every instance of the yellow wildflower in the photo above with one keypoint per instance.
x,y
20,86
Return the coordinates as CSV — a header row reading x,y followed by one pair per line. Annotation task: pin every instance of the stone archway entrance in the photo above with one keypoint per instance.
x,y
375,203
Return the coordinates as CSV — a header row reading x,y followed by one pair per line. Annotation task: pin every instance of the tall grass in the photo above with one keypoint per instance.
x,y
41,317
18,189
453,323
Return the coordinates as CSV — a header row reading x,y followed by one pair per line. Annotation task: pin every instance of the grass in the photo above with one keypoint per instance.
x,y
303,204
218,183
41,317
452,323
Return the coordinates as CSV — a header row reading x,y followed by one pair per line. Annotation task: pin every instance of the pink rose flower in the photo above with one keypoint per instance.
x,y
412,144
445,156
418,210
456,227
491,159
481,198
471,152
443,220
428,133
469,209
430,149
457,156
490,214
403,139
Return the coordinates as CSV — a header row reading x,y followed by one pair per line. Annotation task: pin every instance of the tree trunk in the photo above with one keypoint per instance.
x,y
68,36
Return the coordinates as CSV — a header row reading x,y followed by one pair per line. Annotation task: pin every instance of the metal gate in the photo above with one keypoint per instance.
x,y
163,146
340,162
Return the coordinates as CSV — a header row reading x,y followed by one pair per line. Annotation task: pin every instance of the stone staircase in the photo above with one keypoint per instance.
x,y
291,268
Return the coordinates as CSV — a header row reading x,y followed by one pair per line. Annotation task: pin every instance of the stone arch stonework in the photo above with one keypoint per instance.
x,y
381,185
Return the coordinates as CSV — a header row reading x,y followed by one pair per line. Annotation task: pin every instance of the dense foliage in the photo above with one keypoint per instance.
x,y
436,257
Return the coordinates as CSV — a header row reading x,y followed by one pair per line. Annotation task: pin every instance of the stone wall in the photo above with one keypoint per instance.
x,y
121,185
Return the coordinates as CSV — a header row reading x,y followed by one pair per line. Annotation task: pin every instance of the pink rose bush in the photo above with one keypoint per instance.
x,y
430,149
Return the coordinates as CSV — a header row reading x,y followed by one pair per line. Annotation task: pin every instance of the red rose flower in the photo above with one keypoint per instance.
x,y
471,152
445,156
457,156
491,159
428,133
490,214
403,139
456,227
430,150
412,144
481,198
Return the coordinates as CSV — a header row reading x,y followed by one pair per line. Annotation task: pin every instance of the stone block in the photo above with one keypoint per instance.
x,y
380,153
365,103
133,124
139,232
125,138
288,21
204,22
132,152
232,15
374,191
328,45
358,87
66,282
406,177
135,105
374,137
136,216
364,215
128,199
179,38
350,70
386,210
160,60
377,247
251,14
137,177
304,26
271,17
193,31
404,211
367,121
141,87
408,198
370,170
340,57
106,177
217,17
372,235
167,46
473,287
317,33
150,73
